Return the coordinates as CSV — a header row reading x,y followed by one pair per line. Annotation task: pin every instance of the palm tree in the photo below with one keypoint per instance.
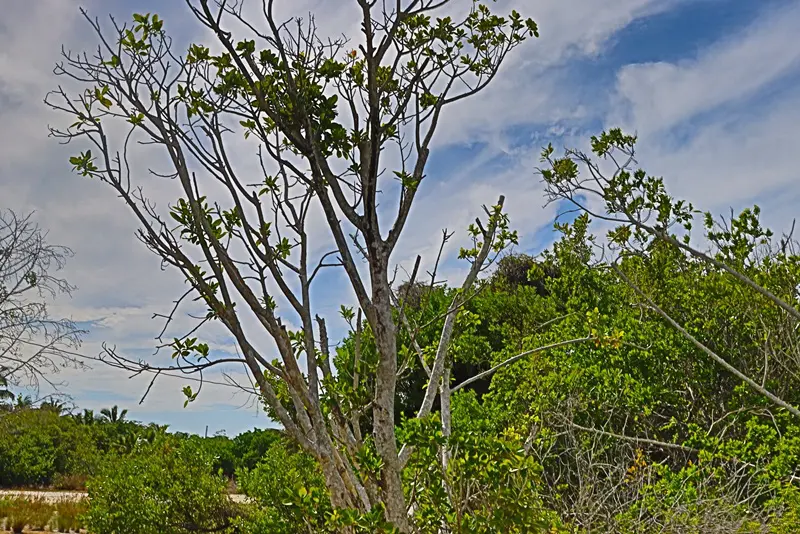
x,y
54,405
113,415
86,418
6,396
152,433
23,402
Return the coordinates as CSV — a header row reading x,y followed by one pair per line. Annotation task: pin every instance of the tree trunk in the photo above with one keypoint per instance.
x,y
385,332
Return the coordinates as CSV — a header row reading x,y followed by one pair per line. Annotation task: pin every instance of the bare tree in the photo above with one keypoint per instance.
x,y
33,345
342,131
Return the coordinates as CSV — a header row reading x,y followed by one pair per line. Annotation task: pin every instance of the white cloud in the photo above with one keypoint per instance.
x,y
734,164
29,44
657,96
730,159
532,87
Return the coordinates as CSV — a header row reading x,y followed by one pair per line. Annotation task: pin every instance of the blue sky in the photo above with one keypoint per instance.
x,y
710,86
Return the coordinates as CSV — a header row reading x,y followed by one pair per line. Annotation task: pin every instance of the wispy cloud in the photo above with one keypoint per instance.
x,y
659,95
720,125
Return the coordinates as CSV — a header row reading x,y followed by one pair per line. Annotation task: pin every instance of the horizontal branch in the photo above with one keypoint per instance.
x,y
716,357
519,356
648,441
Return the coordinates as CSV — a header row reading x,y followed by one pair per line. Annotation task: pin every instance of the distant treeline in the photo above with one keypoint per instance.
x,y
46,447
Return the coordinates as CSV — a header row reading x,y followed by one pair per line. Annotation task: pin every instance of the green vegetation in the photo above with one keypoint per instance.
x,y
627,427
639,375
70,515
44,448
40,447
166,486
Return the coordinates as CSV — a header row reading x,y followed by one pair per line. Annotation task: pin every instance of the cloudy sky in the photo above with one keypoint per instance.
x,y
710,86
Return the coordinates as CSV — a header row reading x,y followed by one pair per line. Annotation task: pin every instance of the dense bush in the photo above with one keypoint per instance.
x,y
635,396
42,447
220,450
36,445
250,447
490,484
639,429
242,451
167,486
288,488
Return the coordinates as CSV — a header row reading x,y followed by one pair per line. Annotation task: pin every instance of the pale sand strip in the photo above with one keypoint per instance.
x,y
55,496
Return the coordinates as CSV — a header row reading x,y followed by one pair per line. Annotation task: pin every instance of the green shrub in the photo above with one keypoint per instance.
x,y
167,487
39,446
490,484
250,447
287,488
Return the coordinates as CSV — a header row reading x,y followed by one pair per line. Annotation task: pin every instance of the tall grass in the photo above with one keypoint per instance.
x,y
18,513
69,515
33,513
6,505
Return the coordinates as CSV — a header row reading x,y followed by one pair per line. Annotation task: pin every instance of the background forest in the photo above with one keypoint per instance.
x,y
628,428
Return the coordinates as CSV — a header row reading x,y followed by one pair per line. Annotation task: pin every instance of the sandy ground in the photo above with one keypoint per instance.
x,y
55,496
